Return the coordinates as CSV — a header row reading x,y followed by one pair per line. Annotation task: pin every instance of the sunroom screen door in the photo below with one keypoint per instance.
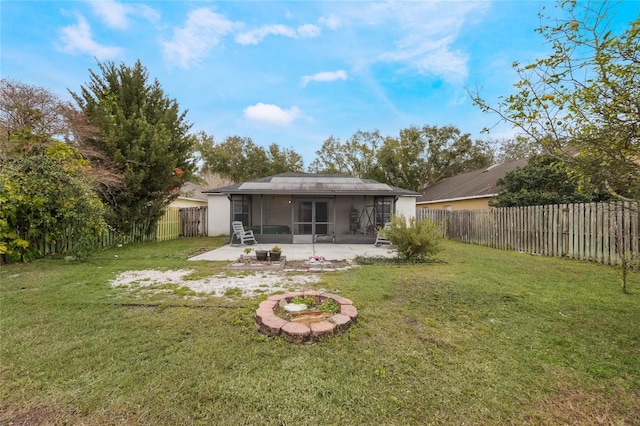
x,y
311,218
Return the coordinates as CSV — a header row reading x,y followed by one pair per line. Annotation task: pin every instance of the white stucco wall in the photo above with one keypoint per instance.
x,y
218,214
406,206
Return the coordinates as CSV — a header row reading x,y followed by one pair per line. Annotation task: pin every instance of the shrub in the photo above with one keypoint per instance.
x,y
46,197
414,240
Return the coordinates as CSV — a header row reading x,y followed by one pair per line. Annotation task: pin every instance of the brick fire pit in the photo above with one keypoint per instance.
x,y
271,324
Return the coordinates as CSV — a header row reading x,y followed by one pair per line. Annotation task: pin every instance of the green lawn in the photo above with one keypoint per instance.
x,y
485,337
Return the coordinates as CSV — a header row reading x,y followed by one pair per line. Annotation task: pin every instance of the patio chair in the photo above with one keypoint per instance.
x,y
381,239
241,234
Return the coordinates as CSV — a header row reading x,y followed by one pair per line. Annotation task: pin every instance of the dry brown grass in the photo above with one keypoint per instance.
x,y
574,404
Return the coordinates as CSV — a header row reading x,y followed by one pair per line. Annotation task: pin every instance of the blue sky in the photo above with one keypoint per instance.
x,y
292,73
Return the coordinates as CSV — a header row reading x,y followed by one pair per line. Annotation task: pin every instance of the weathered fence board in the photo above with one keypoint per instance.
x,y
598,232
193,221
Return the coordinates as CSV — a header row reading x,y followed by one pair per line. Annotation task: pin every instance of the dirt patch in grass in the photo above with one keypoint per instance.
x,y
575,404
247,285
28,417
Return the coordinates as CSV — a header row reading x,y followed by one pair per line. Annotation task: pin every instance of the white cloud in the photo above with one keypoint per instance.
x,y
309,31
116,15
202,31
273,114
332,22
435,57
325,76
427,33
77,39
113,13
451,64
256,35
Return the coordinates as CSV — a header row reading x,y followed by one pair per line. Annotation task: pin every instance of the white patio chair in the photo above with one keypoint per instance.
x,y
381,239
241,234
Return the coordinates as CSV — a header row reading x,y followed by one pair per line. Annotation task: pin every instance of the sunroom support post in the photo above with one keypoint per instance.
x,y
261,213
291,203
230,198
335,217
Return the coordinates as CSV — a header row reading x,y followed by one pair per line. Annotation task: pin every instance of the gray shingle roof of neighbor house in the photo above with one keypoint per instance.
x,y
477,184
192,191
313,184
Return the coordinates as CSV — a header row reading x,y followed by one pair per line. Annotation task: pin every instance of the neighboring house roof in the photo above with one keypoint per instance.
x,y
477,184
191,191
312,184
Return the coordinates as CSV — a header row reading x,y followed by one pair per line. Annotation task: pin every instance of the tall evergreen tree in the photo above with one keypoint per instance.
x,y
144,134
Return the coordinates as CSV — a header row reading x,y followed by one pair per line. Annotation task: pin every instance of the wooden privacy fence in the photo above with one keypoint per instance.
x,y
598,232
193,221
68,242
181,222
176,222
168,227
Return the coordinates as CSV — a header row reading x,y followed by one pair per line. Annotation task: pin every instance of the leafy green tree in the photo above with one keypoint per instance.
x,y
45,194
236,158
417,157
47,188
356,157
450,153
240,159
145,137
422,156
31,110
31,115
545,180
506,150
403,160
282,160
581,101
330,158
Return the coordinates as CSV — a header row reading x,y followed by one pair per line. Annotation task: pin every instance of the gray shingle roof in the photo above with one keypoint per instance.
x,y
193,191
312,184
477,184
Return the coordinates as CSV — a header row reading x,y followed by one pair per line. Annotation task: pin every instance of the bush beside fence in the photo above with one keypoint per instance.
x,y
598,232
170,227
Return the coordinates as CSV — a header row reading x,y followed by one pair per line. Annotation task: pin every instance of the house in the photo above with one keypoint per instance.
x,y
468,191
308,208
190,195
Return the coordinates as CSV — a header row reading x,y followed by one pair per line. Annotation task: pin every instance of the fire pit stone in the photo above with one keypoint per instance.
x,y
305,326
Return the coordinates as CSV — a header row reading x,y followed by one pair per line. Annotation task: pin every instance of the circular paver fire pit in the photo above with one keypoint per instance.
x,y
301,331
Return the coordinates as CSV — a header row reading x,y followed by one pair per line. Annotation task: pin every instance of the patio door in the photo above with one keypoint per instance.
x,y
311,220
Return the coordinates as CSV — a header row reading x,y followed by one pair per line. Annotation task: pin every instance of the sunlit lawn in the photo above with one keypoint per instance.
x,y
485,337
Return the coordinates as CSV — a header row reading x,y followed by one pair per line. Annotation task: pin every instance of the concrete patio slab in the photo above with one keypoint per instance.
x,y
301,251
